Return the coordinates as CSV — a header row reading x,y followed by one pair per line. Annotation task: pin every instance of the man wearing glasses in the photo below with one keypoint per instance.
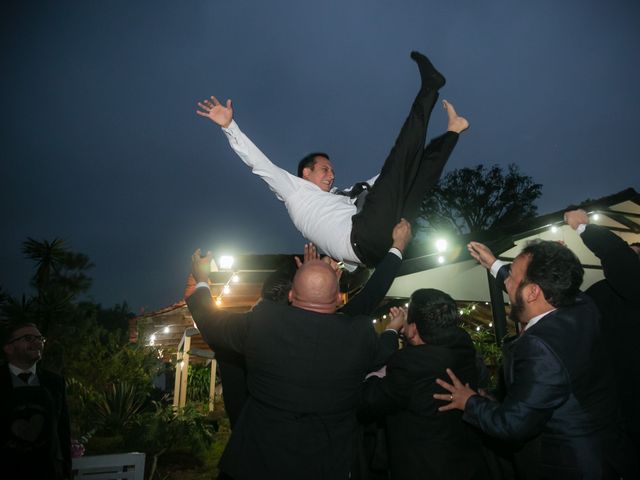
x,y
34,421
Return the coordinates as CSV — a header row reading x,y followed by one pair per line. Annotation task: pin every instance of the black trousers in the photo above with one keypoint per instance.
x,y
408,173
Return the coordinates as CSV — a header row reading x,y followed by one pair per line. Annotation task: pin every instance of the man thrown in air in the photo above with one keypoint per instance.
x,y
340,222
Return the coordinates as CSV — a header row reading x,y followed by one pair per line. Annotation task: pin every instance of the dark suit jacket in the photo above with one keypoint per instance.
x,y
233,371
35,439
305,372
422,442
618,299
558,379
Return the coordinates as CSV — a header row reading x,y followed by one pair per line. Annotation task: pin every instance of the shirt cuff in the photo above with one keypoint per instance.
x,y
581,228
203,285
396,252
233,126
496,266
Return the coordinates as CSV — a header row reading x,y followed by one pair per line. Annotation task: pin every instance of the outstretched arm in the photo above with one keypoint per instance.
x,y
219,329
281,182
621,265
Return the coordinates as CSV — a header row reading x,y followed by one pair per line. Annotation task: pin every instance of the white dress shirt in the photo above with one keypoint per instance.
x,y
322,217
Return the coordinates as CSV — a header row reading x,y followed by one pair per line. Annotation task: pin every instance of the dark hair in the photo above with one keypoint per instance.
x,y
556,269
9,328
276,287
309,161
432,311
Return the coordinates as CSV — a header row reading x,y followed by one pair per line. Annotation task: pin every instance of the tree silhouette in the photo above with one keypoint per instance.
x,y
469,200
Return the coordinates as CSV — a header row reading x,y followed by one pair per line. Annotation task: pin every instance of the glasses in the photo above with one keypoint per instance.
x,y
29,338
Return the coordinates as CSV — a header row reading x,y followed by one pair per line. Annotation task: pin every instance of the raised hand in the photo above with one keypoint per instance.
x,y
398,318
201,266
216,112
481,253
311,253
573,218
401,235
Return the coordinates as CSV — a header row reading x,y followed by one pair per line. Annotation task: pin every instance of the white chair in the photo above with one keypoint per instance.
x,y
120,466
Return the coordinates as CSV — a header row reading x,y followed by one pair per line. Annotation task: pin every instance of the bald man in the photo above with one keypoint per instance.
x,y
305,365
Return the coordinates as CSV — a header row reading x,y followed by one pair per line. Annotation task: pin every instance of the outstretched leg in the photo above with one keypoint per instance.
x,y
434,158
372,226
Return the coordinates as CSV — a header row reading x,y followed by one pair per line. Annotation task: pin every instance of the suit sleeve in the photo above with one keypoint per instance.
x,y
621,265
365,302
386,345
541,384
502,275
220,329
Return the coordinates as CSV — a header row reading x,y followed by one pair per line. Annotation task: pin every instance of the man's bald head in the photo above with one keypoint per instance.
x,y
315,287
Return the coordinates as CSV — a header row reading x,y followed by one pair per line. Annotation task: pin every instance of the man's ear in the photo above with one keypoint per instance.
x,y
306,171
290,296
534,292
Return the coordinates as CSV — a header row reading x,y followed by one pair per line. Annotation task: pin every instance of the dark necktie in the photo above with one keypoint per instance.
x,y
25,376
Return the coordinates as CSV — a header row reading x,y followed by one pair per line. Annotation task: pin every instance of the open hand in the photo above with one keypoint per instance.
x,y
201,266
458,393
481,253
216,112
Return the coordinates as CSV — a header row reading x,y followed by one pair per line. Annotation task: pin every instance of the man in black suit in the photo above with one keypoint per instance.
x,y
35,436
305,365
617,297
276,288
557,373
422,442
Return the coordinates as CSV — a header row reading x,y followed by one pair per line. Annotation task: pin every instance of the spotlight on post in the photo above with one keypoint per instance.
x,y
441,245
226,262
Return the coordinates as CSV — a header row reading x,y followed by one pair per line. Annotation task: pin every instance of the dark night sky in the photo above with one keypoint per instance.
x,y
101,145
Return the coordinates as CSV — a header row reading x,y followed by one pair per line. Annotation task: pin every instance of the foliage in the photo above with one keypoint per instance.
x,y
198,382
118,406
485,343
57,268
163,430
470,200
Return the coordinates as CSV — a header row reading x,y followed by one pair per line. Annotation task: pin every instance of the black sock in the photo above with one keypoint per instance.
x,y
432,79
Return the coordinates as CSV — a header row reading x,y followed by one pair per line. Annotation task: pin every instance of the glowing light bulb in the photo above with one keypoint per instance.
x,y
235,278
218,301
440,259
226,290
166,330
595,216
554,229
226,261
441,245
